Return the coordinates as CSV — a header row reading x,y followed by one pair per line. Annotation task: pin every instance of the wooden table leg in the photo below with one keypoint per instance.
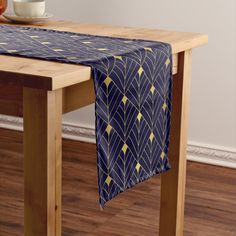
x,y
42,162
173,182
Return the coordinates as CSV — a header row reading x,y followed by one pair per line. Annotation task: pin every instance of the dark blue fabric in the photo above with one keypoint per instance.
x,y
133,86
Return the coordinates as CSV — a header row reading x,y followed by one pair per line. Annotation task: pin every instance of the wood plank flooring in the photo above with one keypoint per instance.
x,y
210,201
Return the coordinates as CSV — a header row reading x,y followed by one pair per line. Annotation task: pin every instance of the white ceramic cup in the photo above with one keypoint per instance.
x,y
29,8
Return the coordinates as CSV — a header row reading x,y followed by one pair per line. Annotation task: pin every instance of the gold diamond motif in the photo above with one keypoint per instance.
x,y
151,137
148,49
140,71
102,49
138,167
108,129
124,99
162,155
108,180
124,148
164,106
11,51
58,50
152,89
167,62
86,42
139,116
107,81
118,57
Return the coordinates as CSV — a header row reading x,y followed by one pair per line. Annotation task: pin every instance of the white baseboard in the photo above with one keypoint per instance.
x,y
69,130
210,154
196,152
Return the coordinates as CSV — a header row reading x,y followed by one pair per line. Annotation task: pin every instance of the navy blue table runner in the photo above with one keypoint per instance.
x,y
133,87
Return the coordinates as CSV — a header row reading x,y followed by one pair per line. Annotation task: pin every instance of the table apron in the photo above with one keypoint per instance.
x,y
74,96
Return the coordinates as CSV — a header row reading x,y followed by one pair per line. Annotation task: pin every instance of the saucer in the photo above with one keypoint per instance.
x,y
20,19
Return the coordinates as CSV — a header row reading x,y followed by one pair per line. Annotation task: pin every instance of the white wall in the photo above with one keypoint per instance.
x,y
213,90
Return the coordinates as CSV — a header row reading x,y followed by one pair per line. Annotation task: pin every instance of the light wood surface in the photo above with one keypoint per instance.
x,y
173,182
77,96
50,76
72,88
74,96
42,162
45,75
209,211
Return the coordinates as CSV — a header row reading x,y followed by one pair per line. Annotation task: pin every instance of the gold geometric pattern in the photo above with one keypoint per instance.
x,y
124,99
151,137
148,49
58,50
124,148
137,167
132,81
107,81
102,49
108,129
140,71
45,43
167,62
152,89
118,57
139,117
11,51
108,180
163,155
164,106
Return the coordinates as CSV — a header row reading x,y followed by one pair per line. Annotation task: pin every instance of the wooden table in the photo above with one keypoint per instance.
x,y
42,91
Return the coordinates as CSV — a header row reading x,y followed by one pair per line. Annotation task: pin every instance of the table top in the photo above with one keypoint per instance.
x,y
53,75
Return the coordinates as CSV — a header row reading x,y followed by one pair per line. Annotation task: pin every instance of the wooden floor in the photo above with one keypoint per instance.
x,y
210,200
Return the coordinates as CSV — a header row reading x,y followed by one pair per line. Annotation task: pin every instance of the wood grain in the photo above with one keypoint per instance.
x,y
77,96
11,98
42,162
42,113
74,96
53,75
173,182
210,197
